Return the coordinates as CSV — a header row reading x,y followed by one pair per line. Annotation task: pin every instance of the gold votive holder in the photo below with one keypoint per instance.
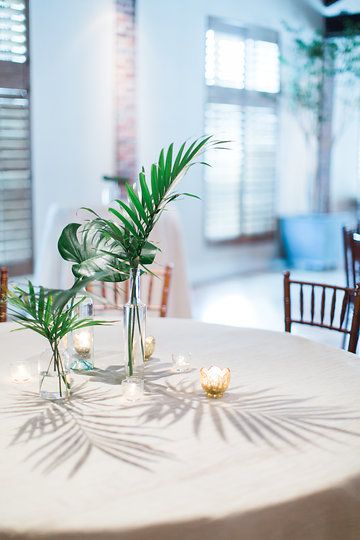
x,y
215,381
149,347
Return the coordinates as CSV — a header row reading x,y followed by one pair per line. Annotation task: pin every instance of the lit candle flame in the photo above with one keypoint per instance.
x,y
21,373
83,342
215,381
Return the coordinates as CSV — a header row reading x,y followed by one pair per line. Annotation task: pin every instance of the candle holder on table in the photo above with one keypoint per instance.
x,y
149,347
21,371
215,381
81,342
133,388
181,362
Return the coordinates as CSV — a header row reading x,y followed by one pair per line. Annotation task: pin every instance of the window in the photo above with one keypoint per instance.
x,y
243,85
15,181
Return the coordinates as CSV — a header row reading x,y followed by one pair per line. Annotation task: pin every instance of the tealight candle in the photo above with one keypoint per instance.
x,y
215,381
181,362
83,342
133,388
20,372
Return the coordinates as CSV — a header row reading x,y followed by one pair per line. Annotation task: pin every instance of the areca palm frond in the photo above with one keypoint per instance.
x,y
47,312
121,243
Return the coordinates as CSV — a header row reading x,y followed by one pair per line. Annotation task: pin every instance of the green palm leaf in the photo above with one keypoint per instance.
x,y
137,203
48,312
120,245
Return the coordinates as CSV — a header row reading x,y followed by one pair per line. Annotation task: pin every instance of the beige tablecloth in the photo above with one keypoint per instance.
x,y
53,271
277,458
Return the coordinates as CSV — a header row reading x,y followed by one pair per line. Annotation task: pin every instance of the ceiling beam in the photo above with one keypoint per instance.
x,y
337,26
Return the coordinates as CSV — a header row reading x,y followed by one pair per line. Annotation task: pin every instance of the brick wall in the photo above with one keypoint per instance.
x,y
125,89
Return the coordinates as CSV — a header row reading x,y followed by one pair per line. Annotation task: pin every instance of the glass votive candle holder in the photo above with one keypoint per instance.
x,y
82,350
81,342
215,381
21,371
181,362
133,388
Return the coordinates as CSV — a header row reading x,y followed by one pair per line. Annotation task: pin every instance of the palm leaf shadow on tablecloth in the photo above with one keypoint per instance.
x,y
69,431
262,416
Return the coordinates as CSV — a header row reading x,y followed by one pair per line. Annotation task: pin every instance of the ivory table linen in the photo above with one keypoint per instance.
x,y
277,458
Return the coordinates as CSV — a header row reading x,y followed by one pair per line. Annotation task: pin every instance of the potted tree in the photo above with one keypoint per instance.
x,y
313,240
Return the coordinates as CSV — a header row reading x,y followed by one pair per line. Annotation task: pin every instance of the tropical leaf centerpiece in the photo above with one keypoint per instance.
x,y
52,314
118,246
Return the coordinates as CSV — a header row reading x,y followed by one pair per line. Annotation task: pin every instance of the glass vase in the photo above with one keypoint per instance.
x,y
134,328
54,375
81,342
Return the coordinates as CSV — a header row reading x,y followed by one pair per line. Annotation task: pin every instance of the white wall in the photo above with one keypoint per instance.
x,y
72,87
171,96
345,162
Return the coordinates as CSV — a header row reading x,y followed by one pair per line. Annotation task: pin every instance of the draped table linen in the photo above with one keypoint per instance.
x,y
277,458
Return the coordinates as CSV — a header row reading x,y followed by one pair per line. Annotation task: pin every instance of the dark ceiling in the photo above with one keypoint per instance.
x,y
337,25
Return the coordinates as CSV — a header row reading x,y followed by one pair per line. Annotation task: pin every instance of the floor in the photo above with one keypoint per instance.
x,y
256,301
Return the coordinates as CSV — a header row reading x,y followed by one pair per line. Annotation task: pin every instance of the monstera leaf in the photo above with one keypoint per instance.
x,y
96,256
90,251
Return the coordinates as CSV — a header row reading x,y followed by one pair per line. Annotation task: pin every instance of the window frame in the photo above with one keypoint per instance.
x,y
246,32
15,75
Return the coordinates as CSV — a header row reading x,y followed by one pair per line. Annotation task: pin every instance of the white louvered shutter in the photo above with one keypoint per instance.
x,y
242,78
15,177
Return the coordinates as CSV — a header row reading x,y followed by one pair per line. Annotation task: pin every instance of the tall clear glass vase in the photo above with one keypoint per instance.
x,y
134,328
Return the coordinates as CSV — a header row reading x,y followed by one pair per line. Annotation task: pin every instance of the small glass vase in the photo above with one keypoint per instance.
x,y
134,328
81,342
54,375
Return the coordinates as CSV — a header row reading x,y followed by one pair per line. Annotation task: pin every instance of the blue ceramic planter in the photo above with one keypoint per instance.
x,y
313,241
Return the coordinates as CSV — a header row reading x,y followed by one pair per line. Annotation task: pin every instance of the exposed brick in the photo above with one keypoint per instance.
x,y
125,89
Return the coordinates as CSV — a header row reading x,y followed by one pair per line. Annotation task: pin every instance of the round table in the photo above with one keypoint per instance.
x,y
278,457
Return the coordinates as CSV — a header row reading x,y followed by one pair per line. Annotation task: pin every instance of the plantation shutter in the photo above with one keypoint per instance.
x,y
242,78
15,178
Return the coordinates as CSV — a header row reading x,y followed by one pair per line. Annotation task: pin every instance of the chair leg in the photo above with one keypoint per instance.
x,y
347,317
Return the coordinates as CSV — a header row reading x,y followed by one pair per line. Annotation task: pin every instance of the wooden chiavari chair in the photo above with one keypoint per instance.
x,y
115,295
354,259
351,240
319,317
4,277
352,274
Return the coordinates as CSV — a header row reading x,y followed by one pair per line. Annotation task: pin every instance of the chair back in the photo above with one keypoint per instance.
x,y
4,277
155,291
354,258
352,276
324,306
